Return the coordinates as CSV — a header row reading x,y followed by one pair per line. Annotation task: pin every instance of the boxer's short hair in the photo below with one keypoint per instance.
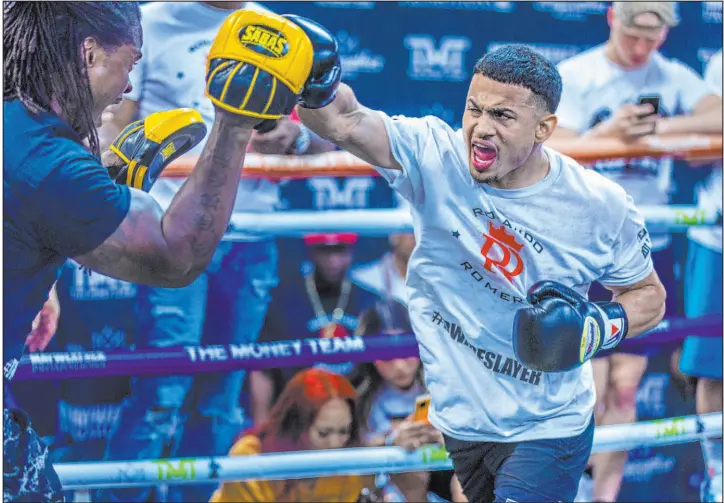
x,y
521,66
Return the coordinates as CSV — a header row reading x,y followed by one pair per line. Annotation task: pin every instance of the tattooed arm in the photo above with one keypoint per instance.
x,y
171,249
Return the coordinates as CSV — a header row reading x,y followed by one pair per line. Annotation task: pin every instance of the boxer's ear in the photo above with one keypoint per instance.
x,y
546,125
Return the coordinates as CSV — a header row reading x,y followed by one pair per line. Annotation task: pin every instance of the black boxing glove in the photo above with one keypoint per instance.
x,y
321,86
560,329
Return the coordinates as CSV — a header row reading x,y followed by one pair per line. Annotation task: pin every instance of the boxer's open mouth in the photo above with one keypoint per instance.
x,y
484,155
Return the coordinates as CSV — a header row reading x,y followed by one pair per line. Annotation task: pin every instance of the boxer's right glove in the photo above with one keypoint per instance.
x,y
560,329
258,64
321,87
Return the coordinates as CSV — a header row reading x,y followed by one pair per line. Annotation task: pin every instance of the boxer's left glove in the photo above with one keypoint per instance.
x,y
560,329
326,74
147,146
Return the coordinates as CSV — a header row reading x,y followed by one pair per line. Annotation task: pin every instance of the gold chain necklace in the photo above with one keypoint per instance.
x,y
338,313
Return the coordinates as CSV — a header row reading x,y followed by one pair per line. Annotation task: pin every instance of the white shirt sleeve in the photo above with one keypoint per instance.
x,y
712,74
408,138
631,250
692,88
570,112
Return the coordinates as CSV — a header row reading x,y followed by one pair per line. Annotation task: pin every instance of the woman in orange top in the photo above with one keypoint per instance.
x,y
315,411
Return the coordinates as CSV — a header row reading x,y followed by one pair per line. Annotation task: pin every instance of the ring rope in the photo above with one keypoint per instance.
x,y
292,353
354,461
688,147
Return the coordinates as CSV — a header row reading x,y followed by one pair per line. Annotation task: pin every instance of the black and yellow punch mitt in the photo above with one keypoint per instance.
x,y
147,146
258,64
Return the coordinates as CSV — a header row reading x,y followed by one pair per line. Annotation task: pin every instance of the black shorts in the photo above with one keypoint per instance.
x,y
534,470
28,474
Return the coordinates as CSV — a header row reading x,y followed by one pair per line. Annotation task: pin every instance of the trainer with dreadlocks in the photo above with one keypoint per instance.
x,y
64,64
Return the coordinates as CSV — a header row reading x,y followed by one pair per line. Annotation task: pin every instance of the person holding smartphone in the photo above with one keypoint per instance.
x,y
626,89
392,408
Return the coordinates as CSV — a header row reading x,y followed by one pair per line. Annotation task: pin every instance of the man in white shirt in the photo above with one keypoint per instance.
x,y
602,89
494,212
196,415
702,356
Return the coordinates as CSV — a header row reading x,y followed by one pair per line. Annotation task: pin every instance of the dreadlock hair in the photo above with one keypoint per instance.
x,y
44,61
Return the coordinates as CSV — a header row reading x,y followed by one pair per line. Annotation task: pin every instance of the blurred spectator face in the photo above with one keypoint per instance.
x,y
402,245
332,428
331,261
634,45
314,411
400,373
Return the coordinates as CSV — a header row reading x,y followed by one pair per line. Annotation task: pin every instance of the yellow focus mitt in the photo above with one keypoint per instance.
x,y
258,64
147,146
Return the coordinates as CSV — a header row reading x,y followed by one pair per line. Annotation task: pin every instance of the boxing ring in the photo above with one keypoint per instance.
x,y
305,352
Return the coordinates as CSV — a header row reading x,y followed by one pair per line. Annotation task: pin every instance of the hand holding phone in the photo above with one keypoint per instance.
x,y
654,101
422,406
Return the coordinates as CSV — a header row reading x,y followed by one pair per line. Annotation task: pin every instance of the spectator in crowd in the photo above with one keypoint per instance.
x,y
602,88
200,413
702,356
386,277
320,302
388,391
315,411
97,315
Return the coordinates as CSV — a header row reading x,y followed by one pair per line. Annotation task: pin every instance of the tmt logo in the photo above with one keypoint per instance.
x,y
500,250
354,192
430,63
176,469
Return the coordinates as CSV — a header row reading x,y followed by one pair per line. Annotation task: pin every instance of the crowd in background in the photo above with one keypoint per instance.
x,y
253,292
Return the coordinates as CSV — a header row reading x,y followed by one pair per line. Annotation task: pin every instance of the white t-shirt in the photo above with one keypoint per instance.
x,y
709,193
479,250
171,74
382,278
594,88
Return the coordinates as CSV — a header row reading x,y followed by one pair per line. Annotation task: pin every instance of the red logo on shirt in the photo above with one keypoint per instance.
x,y
500,250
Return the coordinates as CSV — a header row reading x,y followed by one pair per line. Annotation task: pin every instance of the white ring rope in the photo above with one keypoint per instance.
x,y
358,461
378,222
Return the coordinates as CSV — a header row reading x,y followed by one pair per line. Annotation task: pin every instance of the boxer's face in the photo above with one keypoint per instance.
x,y
108,70
502,124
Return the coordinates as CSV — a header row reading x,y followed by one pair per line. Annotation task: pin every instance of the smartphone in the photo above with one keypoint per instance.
x,y
422,405
651,100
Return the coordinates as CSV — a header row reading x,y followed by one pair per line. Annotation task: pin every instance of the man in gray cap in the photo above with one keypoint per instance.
x,y
625,89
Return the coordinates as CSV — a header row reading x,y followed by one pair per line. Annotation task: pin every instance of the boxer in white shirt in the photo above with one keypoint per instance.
x,y
509,235
601,91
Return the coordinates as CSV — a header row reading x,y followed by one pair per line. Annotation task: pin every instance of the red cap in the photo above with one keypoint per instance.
x,y
344,238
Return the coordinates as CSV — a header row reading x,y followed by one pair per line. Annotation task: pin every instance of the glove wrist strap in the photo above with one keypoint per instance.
x,y
616,323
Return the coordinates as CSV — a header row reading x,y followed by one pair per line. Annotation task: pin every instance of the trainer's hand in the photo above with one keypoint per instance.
x,y
631,122
144,148
560,329
257,65
321,87
45,324
411,435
